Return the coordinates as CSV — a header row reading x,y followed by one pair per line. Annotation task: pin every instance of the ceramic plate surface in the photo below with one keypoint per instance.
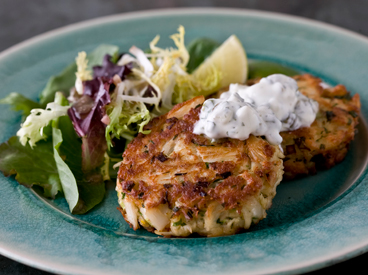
x,y
313,223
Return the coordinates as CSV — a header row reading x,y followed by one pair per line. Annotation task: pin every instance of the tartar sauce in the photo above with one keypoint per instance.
x,y
264,109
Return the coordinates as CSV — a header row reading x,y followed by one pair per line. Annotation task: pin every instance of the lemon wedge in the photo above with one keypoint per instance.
x,y
230,59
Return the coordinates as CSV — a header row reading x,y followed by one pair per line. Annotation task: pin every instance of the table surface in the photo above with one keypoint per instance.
x,y
20,20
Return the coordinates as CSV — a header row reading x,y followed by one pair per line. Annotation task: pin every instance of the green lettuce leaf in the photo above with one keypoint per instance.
x,y
64,81
259,69
199,49
31,166
67,179
20,103
96,56
82,191
91,193
55,165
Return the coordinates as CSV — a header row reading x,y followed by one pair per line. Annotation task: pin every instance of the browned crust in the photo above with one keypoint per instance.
x,y
194,183
122,211
325,143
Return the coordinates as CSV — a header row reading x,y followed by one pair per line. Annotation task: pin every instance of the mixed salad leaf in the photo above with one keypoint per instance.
x,y
31,167
72,137
20,103
66,79
199,49
72,140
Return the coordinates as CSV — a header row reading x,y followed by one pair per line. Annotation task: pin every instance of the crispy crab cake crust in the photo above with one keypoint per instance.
x,y
175,183
326,142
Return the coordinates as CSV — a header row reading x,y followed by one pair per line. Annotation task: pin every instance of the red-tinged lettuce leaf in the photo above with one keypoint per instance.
x,y
55,165
88,110
90,107
108,68
86,118
31,166
64,81
94,147
82,191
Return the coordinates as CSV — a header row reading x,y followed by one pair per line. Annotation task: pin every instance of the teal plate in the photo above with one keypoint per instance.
x,y
313,223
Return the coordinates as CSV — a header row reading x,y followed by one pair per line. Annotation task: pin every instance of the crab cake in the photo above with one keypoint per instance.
x,y
325,143
175,183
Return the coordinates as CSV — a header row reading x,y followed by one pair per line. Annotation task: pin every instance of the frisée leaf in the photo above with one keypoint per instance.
x,y
74,137
55,164
31,130
126,118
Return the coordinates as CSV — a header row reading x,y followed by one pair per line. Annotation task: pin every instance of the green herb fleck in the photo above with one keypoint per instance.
x,y
353,114
347,96
202,213
349,121
179,223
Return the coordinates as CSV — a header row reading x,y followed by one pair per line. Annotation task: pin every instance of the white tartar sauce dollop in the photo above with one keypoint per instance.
x,y
264,109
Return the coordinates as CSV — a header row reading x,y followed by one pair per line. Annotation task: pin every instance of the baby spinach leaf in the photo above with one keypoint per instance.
x,y
199,49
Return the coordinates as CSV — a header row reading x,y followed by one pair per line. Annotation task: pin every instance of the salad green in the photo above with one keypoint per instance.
x,y
66,79
74,136
199,49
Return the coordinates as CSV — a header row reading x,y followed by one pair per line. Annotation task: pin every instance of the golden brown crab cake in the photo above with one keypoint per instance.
x,y
325,143
175,183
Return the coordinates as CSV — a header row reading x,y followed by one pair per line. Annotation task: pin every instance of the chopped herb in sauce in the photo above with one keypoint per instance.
x,y
353,114
179,223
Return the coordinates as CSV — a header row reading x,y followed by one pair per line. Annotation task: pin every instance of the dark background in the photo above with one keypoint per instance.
x,y
23,19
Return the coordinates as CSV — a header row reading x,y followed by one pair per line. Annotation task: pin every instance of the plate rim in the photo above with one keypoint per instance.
x,y
174,11
313,264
